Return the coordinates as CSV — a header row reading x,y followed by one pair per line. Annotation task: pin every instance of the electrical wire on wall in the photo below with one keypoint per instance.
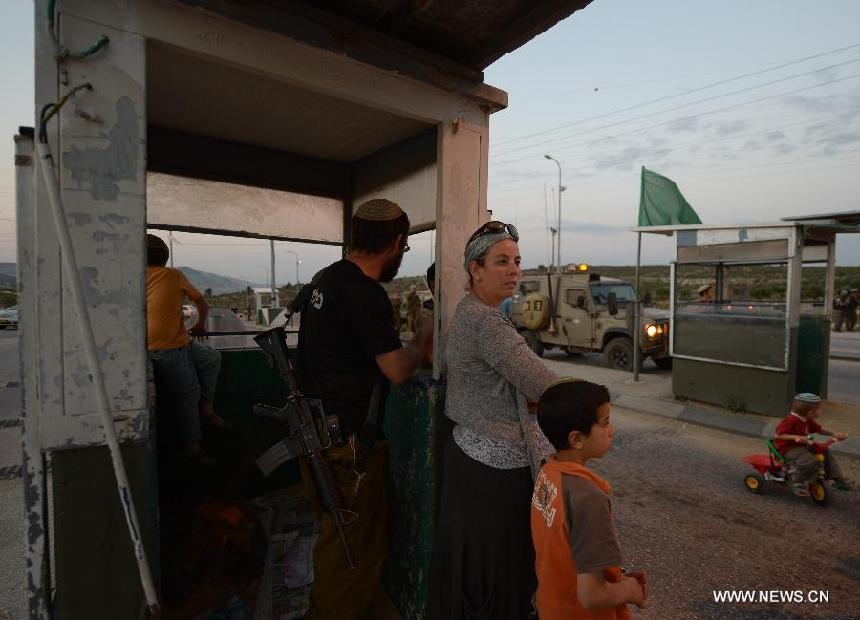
x,y
72,276
63,52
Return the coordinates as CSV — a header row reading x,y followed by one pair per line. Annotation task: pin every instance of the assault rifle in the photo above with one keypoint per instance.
x,y
302,436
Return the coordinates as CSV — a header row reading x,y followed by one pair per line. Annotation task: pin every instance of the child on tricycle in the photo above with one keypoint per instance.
x,y
794,457
793,441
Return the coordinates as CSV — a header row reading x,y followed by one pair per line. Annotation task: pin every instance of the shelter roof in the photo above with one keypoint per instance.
x,y
471,35
840,222
841,218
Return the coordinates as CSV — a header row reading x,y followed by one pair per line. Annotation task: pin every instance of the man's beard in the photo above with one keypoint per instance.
x,y
389,271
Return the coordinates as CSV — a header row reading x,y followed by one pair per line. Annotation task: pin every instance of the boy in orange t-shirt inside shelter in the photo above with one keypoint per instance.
x,y
577,555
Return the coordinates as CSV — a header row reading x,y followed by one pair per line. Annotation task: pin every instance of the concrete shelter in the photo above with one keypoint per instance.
x,y
749,352
286,114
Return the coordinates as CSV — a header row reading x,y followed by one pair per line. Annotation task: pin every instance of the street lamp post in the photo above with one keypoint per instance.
x,y
275,301
298,262
560,190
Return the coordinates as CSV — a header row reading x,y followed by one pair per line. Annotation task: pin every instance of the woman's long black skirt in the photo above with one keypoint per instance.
x,y
483,564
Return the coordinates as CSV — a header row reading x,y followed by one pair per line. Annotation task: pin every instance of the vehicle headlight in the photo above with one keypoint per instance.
x,y
651,330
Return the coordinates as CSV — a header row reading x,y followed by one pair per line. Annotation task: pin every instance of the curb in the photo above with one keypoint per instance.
x,y
737,423
846,358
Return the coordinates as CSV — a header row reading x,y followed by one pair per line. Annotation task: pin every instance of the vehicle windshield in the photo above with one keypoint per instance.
x,y
623,292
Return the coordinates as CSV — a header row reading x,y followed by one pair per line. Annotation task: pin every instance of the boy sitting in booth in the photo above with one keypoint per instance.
x,y
577,556
793,443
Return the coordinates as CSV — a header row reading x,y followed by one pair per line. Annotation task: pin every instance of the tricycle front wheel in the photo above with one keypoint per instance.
x,y
820,492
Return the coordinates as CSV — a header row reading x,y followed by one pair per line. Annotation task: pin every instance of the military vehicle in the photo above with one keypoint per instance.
x,y
581,311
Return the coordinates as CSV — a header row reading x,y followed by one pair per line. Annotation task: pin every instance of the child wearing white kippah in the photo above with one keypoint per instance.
x,y
792,441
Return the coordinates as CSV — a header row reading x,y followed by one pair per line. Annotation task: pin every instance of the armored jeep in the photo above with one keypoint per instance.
x,y
580,311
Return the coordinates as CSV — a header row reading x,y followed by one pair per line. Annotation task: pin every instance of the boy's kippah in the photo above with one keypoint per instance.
x,y
807,397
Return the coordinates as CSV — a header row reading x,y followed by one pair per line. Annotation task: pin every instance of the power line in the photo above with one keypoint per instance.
x,y
688,92
675,145
681,106
609,184
706,113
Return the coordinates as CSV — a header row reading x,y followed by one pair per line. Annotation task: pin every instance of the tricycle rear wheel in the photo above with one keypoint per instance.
x,y
754,483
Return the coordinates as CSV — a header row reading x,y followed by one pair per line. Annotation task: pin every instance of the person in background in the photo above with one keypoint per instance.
x,y
185,371
849,309
413,307
706,293
505,306
394,298
429,304
839,302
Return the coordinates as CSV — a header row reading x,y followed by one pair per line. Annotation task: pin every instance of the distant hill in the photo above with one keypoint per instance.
x,y
218,283
201,279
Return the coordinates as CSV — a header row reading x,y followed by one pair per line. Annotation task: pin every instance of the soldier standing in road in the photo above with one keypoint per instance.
x,y
350,350
839,309
413,307
850,310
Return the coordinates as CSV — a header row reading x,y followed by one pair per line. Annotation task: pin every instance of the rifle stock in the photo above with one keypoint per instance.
x,y
302,437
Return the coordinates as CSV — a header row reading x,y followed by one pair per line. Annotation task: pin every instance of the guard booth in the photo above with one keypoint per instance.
x,y
765,334
257,119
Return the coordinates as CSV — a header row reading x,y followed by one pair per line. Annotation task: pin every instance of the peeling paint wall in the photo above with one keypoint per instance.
x,y
102,178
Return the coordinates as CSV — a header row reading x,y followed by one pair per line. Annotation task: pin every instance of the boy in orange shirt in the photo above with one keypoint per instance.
x,y
577,556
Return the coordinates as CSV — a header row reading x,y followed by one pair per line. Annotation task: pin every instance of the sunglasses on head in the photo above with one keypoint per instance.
x,y
495,228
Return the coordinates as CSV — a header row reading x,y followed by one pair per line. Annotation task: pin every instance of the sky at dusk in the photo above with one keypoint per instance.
x,y
752,108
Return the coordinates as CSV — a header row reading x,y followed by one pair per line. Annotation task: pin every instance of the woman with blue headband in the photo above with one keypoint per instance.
x,y
483,559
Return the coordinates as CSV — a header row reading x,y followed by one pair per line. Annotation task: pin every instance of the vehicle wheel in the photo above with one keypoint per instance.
x,y
820,492
2,327
534,342
618,354
754,483
664,363
571,351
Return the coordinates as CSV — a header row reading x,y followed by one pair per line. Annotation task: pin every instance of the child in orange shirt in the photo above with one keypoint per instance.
x,y
577,556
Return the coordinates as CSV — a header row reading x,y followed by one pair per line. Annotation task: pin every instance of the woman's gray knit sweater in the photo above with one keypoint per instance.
x,y
492,373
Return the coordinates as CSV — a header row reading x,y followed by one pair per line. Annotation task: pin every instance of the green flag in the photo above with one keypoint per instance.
x,y
661,202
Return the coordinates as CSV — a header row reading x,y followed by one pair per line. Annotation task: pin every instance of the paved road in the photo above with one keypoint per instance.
x,y
844,378
845,343
684,516
11,497
844,374
9,363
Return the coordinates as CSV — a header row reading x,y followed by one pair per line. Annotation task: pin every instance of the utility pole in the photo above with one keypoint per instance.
x,y
560,190
170,236
275,303
298,262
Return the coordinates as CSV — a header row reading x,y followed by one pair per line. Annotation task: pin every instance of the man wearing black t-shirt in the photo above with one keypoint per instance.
x,y
348,345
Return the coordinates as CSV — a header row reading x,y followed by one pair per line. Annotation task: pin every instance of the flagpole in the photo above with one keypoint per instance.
x,y
636,311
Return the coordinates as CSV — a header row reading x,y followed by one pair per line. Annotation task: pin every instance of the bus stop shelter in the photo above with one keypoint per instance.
x,y
765,333
258,119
